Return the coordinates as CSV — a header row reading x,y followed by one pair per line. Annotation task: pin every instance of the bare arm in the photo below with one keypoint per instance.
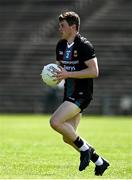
x,y
91,71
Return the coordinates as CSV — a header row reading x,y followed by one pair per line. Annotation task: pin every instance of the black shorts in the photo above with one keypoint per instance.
x,y
81,102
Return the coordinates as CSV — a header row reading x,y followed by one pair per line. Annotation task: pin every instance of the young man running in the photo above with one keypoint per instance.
x,y
76,56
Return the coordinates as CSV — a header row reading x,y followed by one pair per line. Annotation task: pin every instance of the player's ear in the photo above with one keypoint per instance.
x,y
74,27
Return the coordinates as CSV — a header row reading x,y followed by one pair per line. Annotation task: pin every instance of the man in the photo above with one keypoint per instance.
x,y
79,66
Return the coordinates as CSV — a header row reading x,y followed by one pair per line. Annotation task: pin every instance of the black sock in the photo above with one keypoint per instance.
x,y
78,142
94,157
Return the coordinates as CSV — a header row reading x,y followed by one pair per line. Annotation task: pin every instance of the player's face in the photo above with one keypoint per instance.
x,y
65,30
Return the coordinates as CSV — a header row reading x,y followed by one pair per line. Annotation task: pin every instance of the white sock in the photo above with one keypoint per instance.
x,y
84,147
99,161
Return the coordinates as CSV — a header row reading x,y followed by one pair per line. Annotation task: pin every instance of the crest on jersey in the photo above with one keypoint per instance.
x,y
75,53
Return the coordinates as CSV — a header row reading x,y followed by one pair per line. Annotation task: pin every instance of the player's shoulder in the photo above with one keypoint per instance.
x,y
83,41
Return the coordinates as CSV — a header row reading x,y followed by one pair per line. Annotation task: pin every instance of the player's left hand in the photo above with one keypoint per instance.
x,y
63,74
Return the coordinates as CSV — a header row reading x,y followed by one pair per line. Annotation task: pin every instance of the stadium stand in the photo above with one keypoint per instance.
x,y
110,30
28,35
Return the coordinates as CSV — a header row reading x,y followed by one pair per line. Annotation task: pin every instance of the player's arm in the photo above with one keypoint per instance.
x,y
92,71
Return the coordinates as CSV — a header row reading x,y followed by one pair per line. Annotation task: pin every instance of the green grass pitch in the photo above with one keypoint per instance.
x,y
30,149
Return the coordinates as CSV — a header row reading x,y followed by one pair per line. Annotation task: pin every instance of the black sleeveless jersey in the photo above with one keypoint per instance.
x,y
73,58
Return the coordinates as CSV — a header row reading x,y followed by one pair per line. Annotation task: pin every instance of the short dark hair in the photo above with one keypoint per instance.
x,y
71,18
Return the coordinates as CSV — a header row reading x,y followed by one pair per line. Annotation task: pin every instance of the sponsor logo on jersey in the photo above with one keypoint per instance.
x,y
70,62
60,52
69,68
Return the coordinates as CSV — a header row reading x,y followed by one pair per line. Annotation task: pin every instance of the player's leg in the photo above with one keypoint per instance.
x,y
74,123
83,154
59,122
100,163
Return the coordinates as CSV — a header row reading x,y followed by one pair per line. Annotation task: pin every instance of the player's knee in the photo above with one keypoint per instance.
x,y
54,124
